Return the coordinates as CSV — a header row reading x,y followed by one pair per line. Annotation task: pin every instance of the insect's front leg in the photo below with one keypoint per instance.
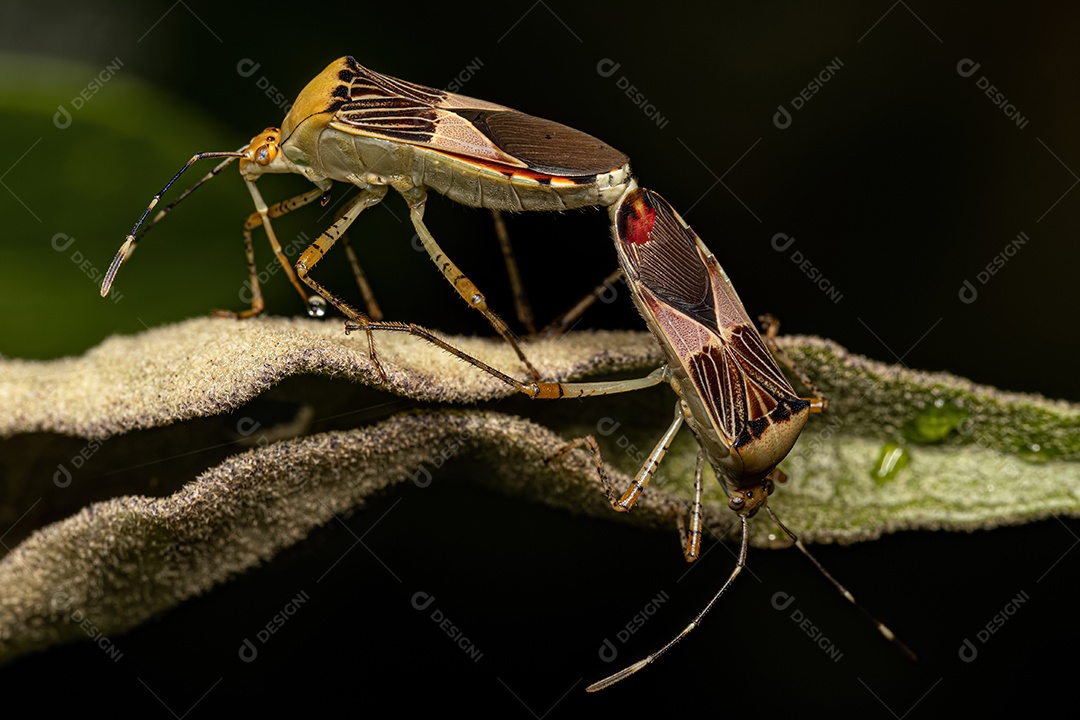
x,y
254,220
691,537
637,486
462,284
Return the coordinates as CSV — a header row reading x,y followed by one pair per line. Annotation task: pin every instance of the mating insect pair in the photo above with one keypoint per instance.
x,y
375,132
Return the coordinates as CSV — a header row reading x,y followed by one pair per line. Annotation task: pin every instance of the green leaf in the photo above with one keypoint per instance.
x,y
978,457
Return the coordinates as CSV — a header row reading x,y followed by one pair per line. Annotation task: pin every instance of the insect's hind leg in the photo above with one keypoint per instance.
x,y
521,301
562,323
373,310
463,285
605,289
535,390
770,328
629,498
359,321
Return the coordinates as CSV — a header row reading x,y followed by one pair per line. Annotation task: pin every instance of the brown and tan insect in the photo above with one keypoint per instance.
x,y
732,394
375,132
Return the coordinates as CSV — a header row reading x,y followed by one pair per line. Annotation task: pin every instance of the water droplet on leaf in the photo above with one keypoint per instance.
x,y
316,306
934,422
891,460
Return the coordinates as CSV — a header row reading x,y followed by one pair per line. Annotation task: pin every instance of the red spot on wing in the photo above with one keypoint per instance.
x,y
638,223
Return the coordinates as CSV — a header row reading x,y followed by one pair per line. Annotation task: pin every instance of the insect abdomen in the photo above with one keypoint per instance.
x,y
500,187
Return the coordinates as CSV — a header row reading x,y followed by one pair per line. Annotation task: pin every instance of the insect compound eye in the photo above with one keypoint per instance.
x,y
735,502
265,154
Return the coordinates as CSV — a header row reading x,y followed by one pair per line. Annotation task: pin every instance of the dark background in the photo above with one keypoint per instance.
x,y
899,180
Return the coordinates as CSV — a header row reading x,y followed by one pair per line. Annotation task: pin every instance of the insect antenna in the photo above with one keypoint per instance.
x,y
885,631
631,669
132,239
165,210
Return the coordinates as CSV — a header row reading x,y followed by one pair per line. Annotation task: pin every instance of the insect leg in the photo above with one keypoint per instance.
x,y
770,326
555,391
521,301
693,537
593,448
624,502
373,310
535,390
561,324
630,670
463,285
315,252
255,220
637,486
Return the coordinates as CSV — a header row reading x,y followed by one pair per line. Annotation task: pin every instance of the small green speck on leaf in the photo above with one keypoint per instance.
x,y
934,423
891,460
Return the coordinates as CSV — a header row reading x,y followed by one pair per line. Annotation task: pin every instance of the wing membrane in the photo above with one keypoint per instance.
x,y
699,315
379,106
741,392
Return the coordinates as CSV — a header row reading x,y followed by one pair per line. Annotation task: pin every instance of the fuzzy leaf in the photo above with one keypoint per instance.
x,y
977,457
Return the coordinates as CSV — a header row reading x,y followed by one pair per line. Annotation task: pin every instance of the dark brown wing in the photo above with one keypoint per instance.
x,y
699,315
379,106
744,390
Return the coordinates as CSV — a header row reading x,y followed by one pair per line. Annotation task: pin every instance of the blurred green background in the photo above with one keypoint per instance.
x,y
899,179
